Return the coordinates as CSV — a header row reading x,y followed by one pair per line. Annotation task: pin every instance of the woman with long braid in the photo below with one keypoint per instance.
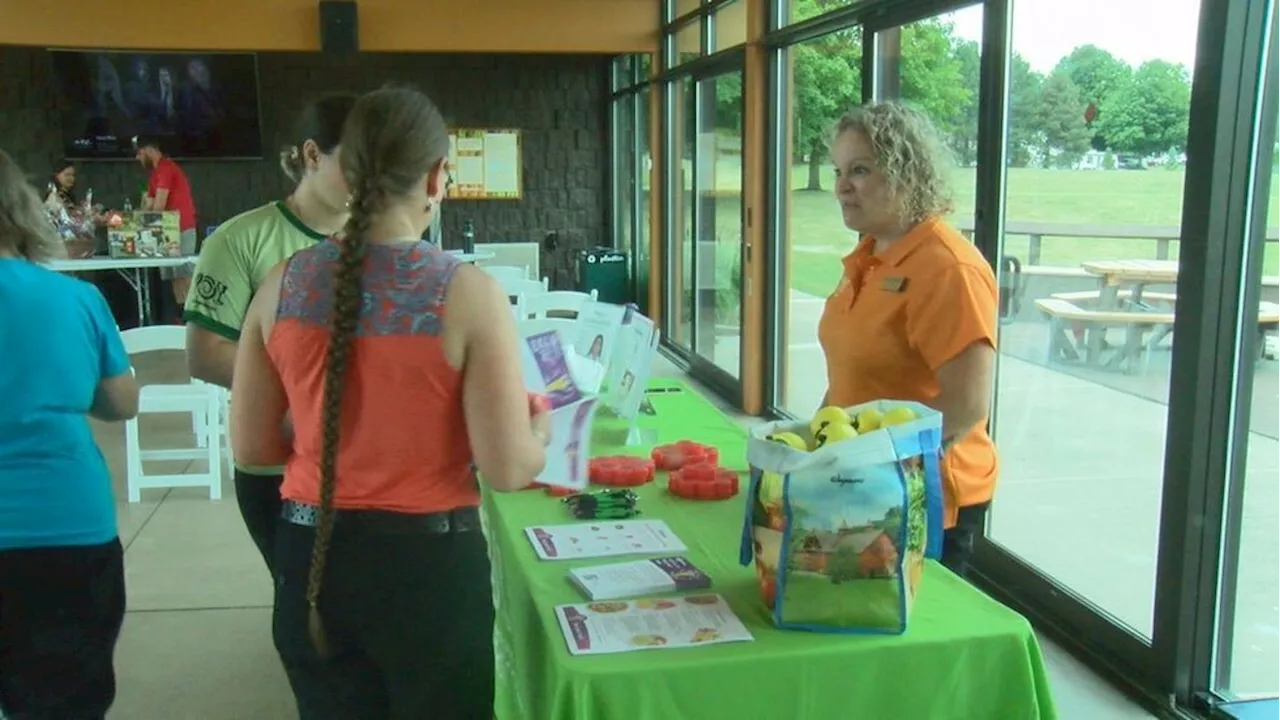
x,y
400,369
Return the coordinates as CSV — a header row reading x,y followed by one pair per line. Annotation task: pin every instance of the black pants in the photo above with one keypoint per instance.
x,y
259,500
409,621
957,542
60,614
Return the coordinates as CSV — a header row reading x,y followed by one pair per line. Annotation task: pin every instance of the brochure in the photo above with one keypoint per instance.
x,y
570,446
579,541
632,363
639,577
597,336
616,626
547,371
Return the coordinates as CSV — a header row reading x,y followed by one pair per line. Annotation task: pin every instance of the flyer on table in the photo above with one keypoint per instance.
x,y
624,626
639,577
580,541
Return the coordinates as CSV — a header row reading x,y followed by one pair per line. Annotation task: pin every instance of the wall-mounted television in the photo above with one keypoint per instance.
x,y
200,105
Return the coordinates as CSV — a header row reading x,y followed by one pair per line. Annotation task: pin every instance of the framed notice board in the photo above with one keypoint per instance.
x,y
486,164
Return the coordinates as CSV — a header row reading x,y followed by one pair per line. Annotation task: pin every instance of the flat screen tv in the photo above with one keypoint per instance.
x,y
199,105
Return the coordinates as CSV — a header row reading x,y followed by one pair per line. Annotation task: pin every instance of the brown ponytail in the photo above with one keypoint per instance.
x,y
366,201
392,139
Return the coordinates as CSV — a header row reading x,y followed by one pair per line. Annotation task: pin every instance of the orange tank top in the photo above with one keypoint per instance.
x,y
403,443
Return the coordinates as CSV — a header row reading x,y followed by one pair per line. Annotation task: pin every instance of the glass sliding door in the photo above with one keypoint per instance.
x,y
718,182
1096,140
821,79
680,211
707,223
1246,662
624,176
642,186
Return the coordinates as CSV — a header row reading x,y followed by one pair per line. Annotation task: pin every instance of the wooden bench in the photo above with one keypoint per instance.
x,y
1064,316
1086,295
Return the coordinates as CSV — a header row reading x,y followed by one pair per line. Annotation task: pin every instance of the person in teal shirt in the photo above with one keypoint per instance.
x,y
62,595
239,254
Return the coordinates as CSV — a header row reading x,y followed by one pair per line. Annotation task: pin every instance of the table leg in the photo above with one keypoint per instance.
x,y
1107,298
144,282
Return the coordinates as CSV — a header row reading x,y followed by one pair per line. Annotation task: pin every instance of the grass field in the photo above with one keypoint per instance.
x,y
818,237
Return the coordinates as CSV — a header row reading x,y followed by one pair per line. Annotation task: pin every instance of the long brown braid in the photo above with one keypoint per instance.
x,y
393,138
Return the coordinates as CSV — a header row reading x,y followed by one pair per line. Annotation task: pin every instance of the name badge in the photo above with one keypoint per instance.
x,y
893,284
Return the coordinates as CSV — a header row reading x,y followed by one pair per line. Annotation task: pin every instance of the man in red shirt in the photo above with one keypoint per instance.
x,y
168,189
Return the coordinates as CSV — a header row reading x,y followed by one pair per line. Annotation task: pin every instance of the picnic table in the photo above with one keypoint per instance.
x,y
1121,300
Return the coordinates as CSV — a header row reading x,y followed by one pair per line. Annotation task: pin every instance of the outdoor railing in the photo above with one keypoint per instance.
x,y
1037,231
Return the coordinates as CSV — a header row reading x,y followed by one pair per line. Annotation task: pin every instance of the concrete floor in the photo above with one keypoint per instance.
x,y
196,643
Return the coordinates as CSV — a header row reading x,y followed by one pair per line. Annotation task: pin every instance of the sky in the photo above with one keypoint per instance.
x,y
1135,31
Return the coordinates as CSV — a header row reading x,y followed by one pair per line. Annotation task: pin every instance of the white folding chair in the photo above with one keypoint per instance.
x,y
517,309
558,302
524,286
503,273
204,403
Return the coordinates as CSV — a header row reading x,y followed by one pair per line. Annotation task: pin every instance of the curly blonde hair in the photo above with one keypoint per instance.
x,y
910,153
25,229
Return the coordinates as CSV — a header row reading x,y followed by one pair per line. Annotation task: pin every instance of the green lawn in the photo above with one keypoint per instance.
x,y
812,599
818,238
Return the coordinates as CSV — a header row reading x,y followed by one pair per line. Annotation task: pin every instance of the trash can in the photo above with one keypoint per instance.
x,y
604,270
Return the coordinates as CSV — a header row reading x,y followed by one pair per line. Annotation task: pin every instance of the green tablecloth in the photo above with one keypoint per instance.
x,y
964,656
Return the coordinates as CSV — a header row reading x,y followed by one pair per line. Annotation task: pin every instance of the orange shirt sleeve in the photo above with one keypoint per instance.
x,y
956,309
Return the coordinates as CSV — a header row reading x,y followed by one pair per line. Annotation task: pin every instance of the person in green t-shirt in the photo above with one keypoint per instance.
x,y
239,254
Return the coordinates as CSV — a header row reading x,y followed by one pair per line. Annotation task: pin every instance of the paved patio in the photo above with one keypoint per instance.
x,y
1082,455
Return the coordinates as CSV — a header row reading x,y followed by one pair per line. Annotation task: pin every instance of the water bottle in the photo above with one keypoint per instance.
x,y
128,204
468,236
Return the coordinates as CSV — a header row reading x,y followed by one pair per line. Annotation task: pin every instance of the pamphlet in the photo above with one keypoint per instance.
x,y
570,446
598,326
616,626
639,577
632,364
547,371
608,538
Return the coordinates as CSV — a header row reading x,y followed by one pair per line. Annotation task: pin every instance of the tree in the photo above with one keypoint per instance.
x,y
964,138
826,81
931,74
729,102
1066,136
1025,132
1099,75
1148,116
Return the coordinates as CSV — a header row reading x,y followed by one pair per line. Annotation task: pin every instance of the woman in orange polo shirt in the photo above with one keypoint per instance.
x,y
399,367
914,316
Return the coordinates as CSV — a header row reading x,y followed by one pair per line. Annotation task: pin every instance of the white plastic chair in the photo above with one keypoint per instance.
x,y
502,273
203,402
558,302
526,287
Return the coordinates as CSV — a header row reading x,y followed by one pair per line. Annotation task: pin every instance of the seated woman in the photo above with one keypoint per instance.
x,y
914,316
399,367
61,565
